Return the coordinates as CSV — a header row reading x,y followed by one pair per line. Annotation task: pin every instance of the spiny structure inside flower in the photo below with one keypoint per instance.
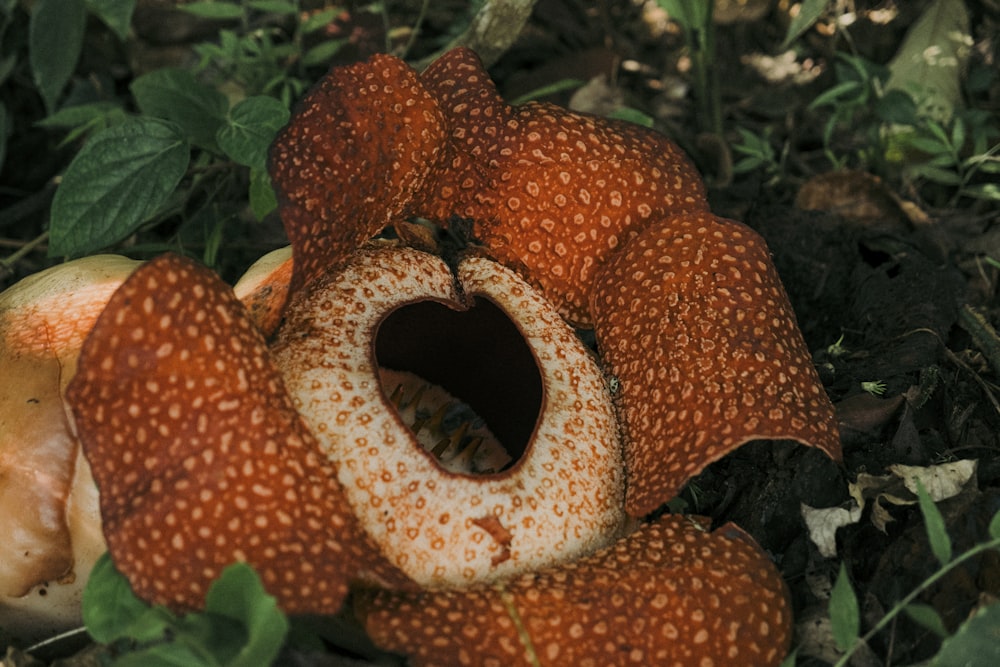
x,y
445,426
478,356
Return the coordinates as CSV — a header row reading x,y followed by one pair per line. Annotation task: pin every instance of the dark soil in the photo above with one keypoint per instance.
x,y
885,279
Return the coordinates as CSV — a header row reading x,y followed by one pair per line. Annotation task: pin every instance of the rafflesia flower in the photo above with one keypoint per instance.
x,y
48,504
432,434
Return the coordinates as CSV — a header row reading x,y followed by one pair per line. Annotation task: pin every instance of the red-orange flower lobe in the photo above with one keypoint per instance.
x,y
693,321
358,149
200,458
669,594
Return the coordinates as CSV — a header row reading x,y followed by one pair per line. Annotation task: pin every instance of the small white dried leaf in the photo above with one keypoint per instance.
x,y
823,524
869,486
942,481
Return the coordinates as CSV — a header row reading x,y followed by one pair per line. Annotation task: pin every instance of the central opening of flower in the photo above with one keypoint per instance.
x,y
465,382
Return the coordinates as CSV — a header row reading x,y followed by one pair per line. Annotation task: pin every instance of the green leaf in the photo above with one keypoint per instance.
x,y
790,659
55,38
958,134
928,617
241,625
988,164
748,164
176,95
942,176
273,6
84,119
120,178
548,89
322,52
833,95
937,534
250,130
976,643
943,160
897,107
262,197
214,10
938,131
809,13
929,145
995,526
108,602
318,20
69,118
845,618
985,191
690,14
633,115
177,653
239,595
116,14
112,611
932,57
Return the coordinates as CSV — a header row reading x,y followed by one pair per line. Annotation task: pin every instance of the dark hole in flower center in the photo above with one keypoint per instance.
x,y
481,359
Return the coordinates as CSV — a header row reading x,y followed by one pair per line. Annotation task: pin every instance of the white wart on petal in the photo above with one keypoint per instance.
x,y
483,338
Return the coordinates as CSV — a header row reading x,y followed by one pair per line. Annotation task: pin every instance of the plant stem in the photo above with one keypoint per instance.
x,y
6,265
522,633
709,95
415,31
493,29
927,583
983,334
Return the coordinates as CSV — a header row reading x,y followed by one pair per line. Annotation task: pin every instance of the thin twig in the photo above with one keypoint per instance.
x,y
415,30
953,358
7,265
983,333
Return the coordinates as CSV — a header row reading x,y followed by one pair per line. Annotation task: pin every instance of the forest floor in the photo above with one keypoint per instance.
x,y
886,282
894,283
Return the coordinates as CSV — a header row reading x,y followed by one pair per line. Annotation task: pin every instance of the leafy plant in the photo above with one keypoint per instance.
x,y
188,142
695,20
906,118
755,153
891,135
189,146
861,101
940,155
261,58
128,174
241,624
973,644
